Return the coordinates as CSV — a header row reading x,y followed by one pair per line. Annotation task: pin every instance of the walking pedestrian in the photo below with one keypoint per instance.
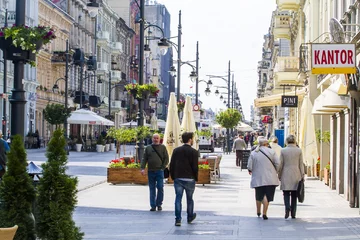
x,y
184,171
247,138
238,147
274,145
262,167
156,157
291,171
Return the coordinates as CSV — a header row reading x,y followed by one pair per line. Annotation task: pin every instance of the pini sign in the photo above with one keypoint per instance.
x,y
333,58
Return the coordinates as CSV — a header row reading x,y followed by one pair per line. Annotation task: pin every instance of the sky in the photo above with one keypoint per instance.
x,y
227,30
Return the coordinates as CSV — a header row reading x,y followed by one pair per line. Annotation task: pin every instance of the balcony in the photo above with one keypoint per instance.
x,y
58,58
288,5
115,75
116,47
116,104
282,27
286,70
103,38
102,67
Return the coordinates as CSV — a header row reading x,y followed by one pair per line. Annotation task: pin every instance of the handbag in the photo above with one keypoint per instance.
x,y
268,158
166,170
301,191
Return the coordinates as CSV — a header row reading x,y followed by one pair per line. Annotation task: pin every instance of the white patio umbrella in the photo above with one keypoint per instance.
x,y
243,127
154,122
87,117
188,122
172,133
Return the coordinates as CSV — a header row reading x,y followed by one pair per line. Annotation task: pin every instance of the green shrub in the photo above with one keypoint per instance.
x,y
56,195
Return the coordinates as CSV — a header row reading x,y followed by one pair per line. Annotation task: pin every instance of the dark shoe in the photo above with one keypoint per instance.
x,y
159,208
293,217
265,217
152,209
178,223
190,220
287,213
258,214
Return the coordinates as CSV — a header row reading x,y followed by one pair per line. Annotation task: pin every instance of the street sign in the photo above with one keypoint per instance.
x,y
196,107
289,101
196,116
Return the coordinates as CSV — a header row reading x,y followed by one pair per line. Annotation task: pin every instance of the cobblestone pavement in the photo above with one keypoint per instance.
x,y
225,210
89,167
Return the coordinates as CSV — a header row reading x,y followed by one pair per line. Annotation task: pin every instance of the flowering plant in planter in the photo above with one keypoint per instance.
x,y
204,165
28,38
120,163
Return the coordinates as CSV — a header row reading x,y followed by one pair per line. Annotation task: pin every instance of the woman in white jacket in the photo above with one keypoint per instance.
x,y
262,166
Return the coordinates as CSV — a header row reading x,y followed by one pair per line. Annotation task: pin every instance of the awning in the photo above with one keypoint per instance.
x,y
333,100
275,100
319,109
133,124
87,117
243,127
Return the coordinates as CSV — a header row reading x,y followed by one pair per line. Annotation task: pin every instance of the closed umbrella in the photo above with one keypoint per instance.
x,y
188,122
154,122
172,133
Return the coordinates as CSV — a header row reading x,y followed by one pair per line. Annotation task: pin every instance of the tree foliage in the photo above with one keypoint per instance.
x,y
56,195
56,114
228,118
17,193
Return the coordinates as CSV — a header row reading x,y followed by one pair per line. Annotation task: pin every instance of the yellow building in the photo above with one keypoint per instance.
x,y
51,62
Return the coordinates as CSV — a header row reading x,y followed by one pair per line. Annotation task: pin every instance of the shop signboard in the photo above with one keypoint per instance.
x,y
289,101
333,58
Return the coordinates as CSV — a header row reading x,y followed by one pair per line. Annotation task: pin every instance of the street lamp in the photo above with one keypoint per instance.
x,y
217,93
221,97
193,76
207,91
172,71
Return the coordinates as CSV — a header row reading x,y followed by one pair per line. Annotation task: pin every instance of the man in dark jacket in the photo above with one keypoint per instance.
x,y
184,171
156,157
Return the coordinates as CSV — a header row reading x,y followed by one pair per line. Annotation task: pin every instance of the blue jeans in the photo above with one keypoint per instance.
x,y
189,187
156,178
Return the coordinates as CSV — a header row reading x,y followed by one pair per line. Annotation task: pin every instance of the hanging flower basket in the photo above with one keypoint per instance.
x,y
23,43
180,104
142,91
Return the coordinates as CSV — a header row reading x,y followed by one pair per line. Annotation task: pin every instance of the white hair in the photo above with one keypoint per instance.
x,y
291,139
262,141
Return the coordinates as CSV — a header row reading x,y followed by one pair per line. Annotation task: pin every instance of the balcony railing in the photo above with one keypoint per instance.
x,y
287,64
115,75
282,26
286,5
102,66
116,47
103,37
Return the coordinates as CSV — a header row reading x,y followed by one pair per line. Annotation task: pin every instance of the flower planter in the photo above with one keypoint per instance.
x,y
78,147
126,175
99,147
112,146
107,147
16,53
203,177
326,176
318,170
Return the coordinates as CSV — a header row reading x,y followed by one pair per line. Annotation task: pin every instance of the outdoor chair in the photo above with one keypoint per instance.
x,y
8,233
214,173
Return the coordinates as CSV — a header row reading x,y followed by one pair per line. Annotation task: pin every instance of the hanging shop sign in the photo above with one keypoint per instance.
x,y
289,101
333,58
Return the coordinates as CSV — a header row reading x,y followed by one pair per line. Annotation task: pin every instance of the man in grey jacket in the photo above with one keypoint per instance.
x,y
238,146
156,158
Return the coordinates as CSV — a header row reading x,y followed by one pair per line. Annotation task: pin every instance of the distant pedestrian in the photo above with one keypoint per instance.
x,y
247,138
184,171
275,146
238,147
262,167
291,171
4,143
156,158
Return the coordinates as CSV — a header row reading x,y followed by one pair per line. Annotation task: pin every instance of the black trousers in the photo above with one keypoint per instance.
x,y
290,205
239,156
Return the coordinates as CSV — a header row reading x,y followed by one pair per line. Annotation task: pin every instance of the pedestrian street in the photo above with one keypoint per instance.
x,y
225,210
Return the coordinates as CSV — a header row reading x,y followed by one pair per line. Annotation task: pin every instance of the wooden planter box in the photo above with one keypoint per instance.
x,y
326,176
203,177
126,175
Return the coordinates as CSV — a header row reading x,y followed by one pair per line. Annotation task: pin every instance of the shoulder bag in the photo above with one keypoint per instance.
x,y
166,170
268,158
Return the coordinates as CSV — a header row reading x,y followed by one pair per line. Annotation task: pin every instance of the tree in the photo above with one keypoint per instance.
x,y
17,193
122,135
56,195
228,118
55,114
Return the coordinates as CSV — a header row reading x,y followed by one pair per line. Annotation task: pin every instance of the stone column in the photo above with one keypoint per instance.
x,y
333,139
340,154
